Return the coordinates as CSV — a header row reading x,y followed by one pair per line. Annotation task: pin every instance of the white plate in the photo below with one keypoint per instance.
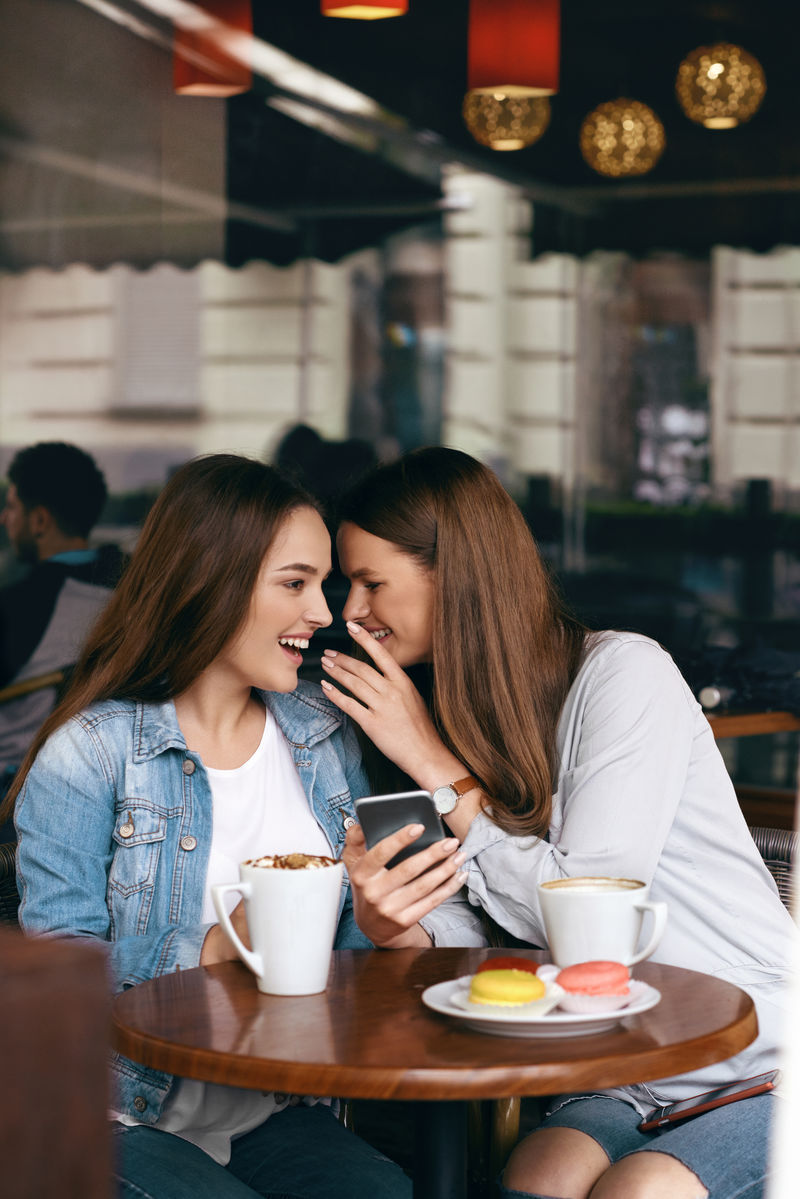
x,y
451,999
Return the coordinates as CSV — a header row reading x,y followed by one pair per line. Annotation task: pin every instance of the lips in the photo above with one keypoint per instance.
x,y
291,646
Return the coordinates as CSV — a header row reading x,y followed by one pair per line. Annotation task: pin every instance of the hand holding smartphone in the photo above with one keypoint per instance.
x,y
685,1109
382,815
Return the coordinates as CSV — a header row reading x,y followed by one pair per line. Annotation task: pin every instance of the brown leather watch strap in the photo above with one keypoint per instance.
x,y
462,786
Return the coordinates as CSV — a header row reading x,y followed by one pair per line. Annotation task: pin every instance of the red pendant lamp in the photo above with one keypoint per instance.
x,y
201,64
364,10
514,46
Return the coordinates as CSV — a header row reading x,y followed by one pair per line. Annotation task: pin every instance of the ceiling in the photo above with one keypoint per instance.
x,y
100,161
738,186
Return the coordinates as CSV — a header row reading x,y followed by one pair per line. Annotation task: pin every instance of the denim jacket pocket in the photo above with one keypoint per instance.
x,y
139,833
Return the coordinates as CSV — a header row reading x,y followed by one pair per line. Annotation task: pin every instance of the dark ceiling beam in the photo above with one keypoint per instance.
x,y
690,189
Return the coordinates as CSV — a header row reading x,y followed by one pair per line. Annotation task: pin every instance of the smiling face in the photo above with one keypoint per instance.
x,y
287,606
391,594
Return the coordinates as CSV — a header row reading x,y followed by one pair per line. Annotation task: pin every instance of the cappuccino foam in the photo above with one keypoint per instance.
x,y
293,861
591,886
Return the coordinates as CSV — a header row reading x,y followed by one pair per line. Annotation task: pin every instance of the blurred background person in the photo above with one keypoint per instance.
x,y
55,496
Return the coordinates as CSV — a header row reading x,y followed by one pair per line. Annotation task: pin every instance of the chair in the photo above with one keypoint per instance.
x,y
53,678
761,805
54,1037
778,848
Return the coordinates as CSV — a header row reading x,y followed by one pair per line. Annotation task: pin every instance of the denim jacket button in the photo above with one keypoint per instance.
x,y
140,1103
188,766
349,821
188,842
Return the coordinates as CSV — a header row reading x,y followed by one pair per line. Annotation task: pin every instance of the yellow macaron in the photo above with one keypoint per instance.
x,y
505,988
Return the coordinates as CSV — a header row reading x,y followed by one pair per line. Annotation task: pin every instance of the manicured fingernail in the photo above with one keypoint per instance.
x,y
414,830
449,844
329,653
460,859
327,663
353,628
324,683
461,877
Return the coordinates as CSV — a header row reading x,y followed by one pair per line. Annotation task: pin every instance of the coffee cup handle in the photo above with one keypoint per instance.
x,y
659,911
218,891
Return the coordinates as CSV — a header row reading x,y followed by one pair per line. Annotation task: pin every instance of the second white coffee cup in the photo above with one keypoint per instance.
x,y
599,919
291,917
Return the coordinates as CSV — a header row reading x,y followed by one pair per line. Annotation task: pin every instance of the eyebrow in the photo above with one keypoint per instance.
x,y
302,567
362,572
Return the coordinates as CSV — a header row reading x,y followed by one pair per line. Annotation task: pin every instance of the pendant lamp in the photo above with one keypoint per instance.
x,y
622,137
505,122
512,67
201,64
513,46
365,10
720,86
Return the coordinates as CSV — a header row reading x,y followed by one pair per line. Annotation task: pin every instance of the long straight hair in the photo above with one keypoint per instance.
x,y
186,590
505,650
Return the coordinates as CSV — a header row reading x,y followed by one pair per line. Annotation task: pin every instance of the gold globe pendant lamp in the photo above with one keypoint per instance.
x,y
513,52
622,137
720,86
364,10
505,122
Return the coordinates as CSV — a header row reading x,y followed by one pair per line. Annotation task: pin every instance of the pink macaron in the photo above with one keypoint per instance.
x,y
594,986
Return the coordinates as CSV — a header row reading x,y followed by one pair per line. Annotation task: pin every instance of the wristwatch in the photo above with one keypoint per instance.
x,y
446,798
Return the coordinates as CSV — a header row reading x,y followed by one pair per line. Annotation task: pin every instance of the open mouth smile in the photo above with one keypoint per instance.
x,y
291,646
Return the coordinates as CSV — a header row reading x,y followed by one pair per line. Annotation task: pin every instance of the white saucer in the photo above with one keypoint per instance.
x,y
451,999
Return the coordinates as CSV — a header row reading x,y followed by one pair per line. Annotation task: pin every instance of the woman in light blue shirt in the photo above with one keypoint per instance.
x,y
555,752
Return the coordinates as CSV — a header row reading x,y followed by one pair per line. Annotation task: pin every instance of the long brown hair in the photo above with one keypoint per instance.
x,y
186,590
505,651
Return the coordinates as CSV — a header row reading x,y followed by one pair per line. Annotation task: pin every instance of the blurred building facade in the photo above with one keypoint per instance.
x,y
605,374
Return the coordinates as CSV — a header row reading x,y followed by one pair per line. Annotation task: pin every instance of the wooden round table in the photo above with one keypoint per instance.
x,y
368,1036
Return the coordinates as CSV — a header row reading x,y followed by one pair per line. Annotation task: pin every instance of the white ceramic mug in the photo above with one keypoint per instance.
x,y
598,919
291,917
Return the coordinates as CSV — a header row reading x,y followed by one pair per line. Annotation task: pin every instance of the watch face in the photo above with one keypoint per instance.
x,y
444,800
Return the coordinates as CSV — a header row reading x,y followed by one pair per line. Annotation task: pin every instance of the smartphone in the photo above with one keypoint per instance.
x,y
380,815
695,1105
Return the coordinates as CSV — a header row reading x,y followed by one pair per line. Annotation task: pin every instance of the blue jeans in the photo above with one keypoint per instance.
x,y
726,1148
299,1153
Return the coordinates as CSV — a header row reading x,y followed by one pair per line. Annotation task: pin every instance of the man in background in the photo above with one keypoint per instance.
x,y
55,496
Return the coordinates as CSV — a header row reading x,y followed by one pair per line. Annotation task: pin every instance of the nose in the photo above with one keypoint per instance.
x,y
319,614
356,605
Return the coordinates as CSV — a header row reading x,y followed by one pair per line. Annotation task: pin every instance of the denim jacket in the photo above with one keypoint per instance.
x,y
114,825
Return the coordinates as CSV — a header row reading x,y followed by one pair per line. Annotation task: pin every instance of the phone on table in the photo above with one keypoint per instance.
x,y
695,1105
380,815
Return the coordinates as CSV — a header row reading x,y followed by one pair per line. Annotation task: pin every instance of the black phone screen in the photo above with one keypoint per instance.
x,y
380,815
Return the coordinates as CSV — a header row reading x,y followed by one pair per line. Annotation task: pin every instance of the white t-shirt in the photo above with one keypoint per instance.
x,y
259,808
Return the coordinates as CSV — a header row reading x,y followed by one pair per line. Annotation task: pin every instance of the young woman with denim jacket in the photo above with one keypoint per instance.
x,y
190,673
560,753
